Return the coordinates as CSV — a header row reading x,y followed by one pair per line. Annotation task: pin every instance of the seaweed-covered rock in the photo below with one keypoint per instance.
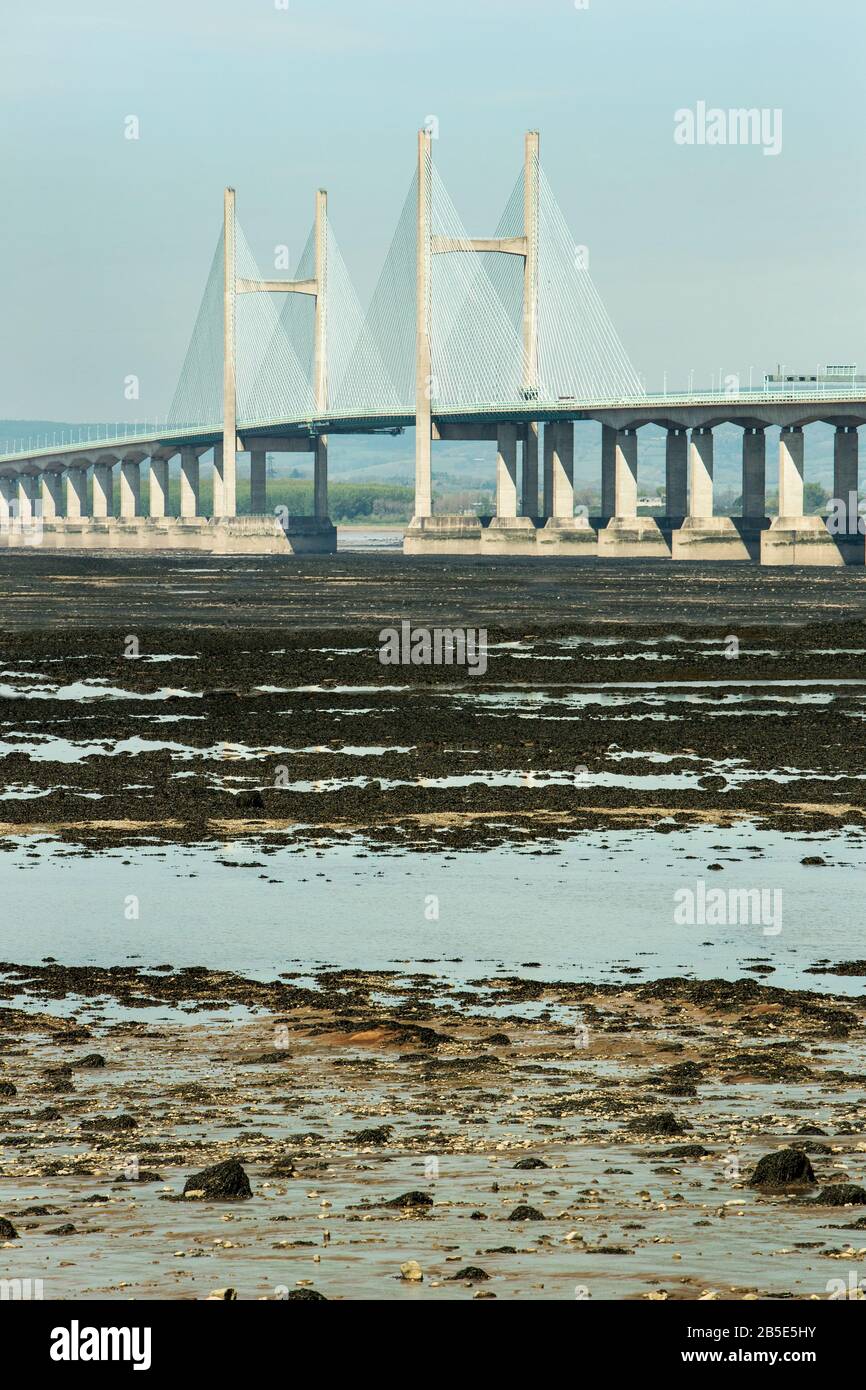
x,y
308,1295
411,1199
110,1123
471,1275
526,1213
224,1182
7,1230
784,1168
379,1134
842,1194
662,1122
525,1164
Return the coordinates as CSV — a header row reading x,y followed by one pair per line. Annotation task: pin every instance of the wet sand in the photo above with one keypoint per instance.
x,y
604,1149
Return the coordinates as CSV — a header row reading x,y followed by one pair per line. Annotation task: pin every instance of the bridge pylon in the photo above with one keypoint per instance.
x,y
424,527
225,455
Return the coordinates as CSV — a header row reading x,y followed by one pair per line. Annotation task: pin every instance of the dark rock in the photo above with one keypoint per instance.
x,y
471,1273
308,1295
7,1230
814,861
110,1123
785,1168
842,1194
527,1163
497,1040
7,1089
379,1134
224,1182
91,1061
662,1122
252,801
525,1213
411,1199
685,1151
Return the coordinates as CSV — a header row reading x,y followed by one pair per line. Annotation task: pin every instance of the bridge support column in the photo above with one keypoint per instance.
x,y
26,497
506,472
508,533
791,468
75,487
845,477
704,536
701,473
754,473
103,490
608,472
157,493
320,478
625,474
564,533
189,483
50,489
529,481
547,469
562,465
7,498
130,488
218,500
793,538
258,482
626,534
676,474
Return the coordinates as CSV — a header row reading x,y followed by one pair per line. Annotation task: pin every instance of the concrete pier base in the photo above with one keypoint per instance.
x,y
304,535
246,535
805,540
567,535
632,538
715,538
508,535
443,535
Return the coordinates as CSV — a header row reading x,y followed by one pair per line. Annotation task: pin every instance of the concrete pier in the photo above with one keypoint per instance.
x,y
627,535
608,472
130,488
754,488
676,474
703,535
529,479
75,493
157,491
507,533
51,494
258,482
189,483
103,490
547,470
793,538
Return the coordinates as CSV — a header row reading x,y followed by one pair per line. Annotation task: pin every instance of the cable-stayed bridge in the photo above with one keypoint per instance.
x,y
501,337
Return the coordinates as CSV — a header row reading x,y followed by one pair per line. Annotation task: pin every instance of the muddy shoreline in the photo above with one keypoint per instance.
x,y
206,736
605,1150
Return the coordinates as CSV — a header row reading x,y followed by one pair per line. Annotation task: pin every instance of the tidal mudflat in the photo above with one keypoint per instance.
x,y
506,980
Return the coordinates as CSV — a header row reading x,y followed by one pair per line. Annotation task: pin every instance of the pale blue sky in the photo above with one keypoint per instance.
x,y
706,258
